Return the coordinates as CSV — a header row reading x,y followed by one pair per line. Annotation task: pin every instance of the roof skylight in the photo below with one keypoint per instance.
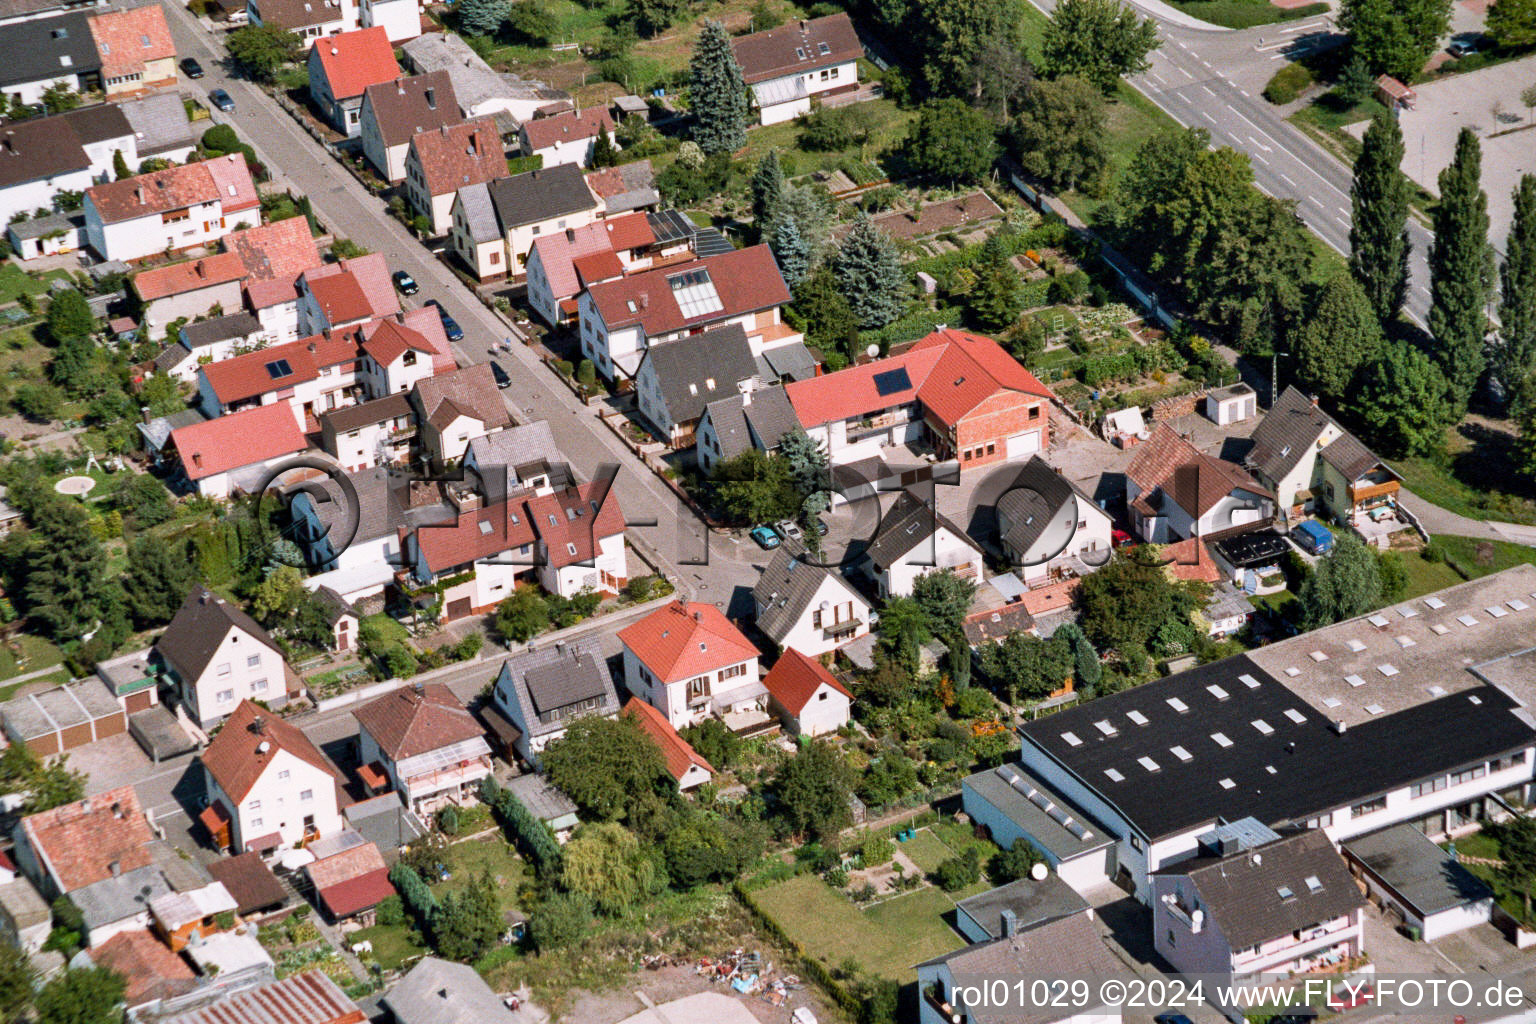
x,y
1263,726
1072,739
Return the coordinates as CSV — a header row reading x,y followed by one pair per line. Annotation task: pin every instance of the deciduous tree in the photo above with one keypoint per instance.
x,y
70,316
468,921
1345,584
1405,402
1127,601
955,33
604,862
1461,270
813,789
605,765
1060,134
869,274
17,977
1339,335
1395,36
262,49
1516,837
717,95
1026,667
521,616
90,995
1512,23
1097,39
529,21
825,316
951,142
1378,233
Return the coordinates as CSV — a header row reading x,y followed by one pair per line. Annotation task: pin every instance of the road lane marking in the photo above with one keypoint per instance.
x,y
1260,158
1288,180
1208,91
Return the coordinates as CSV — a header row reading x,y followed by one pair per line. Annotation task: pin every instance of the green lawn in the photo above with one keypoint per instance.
x,y
1469,484
492,854
886,940
14,281
1426,577
1244,13
1463,551
37,652
887,128
926,850
392,944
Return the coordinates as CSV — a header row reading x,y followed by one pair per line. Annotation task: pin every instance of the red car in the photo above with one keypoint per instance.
x,y
1119,538
1348,997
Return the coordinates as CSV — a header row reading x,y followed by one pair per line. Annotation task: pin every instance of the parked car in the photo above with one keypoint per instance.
x,y
450,325
191,68
765,537
822,529
1172,1018
788,529
223,100
500,376
1464,47
1119,538
1347,997
1312,537
405,283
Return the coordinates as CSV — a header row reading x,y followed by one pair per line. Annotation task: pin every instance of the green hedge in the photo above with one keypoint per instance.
x,y
531,836
414,893
1288,83
1101,369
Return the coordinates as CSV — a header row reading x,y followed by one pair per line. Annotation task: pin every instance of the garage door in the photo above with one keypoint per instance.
x,y
1024,444
458,609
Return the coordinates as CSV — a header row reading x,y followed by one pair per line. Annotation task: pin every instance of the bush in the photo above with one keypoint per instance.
x,y
837,878
586,373
564,368
639,588
448,820
1288,84
391,911
560,921
468,647
531,836
877,849
956,873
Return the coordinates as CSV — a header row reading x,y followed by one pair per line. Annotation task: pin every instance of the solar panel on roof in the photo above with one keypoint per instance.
x,y
278,368
891,382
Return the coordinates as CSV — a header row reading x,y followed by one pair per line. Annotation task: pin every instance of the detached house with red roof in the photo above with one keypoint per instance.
x,y
1175,490
136,50
690,663
344,293
79,844
274,256
424,744
268,785
621,318
687,768
958,393
785,66
342,66
807,698
563,264
228,455
397,111
438,163
567,138
173,209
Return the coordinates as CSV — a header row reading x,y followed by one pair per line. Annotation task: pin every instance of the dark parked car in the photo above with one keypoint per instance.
x,y
450,325
404,282
500,376
223,100
191,68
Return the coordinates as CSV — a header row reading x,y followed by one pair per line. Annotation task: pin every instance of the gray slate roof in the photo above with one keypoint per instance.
x,y
115,899
159,123
200,625
442,992
474,82
540,796
760,424
787,362
36,50
785,590
1290,427
383,505
220,328
522,446
1417,870
1031,506
539,196
479,213
1351,458
1009,790
910,522
700,369
40,226
1246,895
158,430
1032,902
557,676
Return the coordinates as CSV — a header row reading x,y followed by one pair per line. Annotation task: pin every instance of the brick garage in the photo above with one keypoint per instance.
x,y
63,718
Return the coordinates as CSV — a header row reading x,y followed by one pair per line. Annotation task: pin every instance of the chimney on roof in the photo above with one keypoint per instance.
x,y
1314,401
400,86
258,724
197,460
138,194
420,689
117,810
115,869
570,234
802,25
444,130
698,616
1010,924
202,269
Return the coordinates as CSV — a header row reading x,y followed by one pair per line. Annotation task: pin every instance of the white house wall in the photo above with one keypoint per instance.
x,y
241,667
30,196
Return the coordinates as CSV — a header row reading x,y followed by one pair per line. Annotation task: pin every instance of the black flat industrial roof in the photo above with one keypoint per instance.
x,y
1251,747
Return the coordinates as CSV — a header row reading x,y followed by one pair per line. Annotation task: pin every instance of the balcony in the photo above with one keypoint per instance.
x,y
839,630
1320,944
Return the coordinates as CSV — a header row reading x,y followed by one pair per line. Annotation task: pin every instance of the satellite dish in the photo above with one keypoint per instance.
x,y
1039,871
825,605
872,351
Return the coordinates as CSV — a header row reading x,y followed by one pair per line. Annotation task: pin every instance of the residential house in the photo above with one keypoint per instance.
x,y
569,541
268,785
688,661
37,162
184,291
221,658
955,392
368,434
621,318
424,744
173,209
523,456
626,188
275,255
343,67
439,163
148,966
807,698
683,763
1036,899
1258,907
49,53
208,341
349,875
496,224
913,539
1046,523
541,691
135,48
1015,959
479,89
438,991
395,112
78,844
562,263
1174,491
785,66
307,19
807,608
348,292
229,455
124,900
454,407
341,615
17,12
25,920
567,138
161,127
676,380
1348,483
400,19
734,425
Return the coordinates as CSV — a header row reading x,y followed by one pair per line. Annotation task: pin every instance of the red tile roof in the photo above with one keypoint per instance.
x,y
572,126
357,894
371,275
559,252
509,525
226,179
340,298
246,376
1195,481
405,723
577,517
78,843
453,156
676,751
276,251
426,323
147,964
349,864
126,40
950,372
404,106
180,278
795,678
477,534
795,48
352,61
629,231
308,998
236,759
747,280
598,266
680,641
1190,560
242,438
386,341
